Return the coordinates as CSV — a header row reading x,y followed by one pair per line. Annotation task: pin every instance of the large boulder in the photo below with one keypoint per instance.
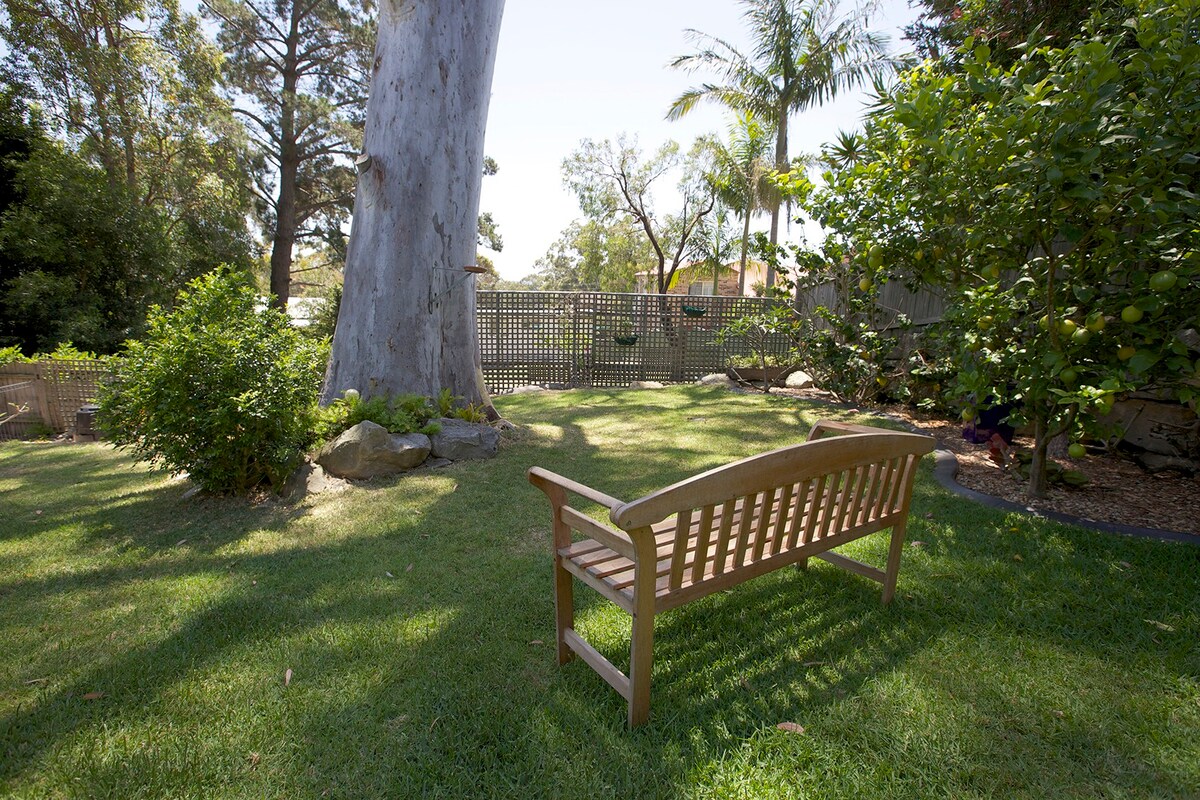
x,y
459,440
367,450
716,379
310,478
799,379
1165,428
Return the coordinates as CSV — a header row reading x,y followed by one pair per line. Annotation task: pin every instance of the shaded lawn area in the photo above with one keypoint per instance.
x,y
1020,659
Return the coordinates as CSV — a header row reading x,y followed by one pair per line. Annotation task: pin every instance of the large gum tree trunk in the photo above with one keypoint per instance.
x,y
407,319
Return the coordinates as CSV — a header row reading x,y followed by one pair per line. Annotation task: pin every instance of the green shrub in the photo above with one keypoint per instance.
x,y
220,388
66,351
448,406
404,413
12,355
324,317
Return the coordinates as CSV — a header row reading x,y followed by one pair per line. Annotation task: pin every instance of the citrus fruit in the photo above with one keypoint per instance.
x,y
1163,281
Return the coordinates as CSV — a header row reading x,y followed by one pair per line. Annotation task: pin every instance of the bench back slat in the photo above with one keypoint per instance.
x,y
749,509
721,556
683,527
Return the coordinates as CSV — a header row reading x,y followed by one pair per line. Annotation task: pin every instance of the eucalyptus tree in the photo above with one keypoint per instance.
x,y
615,180
407,318
803,52
299,70
596,255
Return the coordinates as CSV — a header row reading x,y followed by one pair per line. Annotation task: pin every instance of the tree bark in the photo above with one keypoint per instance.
x,y
745,253
781,165
407,319
1038,482
284,240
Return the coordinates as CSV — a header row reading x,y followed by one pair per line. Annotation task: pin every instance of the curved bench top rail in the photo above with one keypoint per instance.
x,y
787,465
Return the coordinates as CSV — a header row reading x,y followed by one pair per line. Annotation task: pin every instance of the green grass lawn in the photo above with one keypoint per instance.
x,y
145,638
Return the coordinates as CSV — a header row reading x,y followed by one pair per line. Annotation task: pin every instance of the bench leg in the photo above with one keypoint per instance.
x,y
641,657
564,609
893,563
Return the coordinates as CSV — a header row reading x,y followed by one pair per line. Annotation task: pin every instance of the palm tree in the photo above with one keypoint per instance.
x,y
742,169
848,150
713,244
804,53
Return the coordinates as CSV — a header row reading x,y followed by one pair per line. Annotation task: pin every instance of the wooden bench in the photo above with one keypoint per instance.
x,y
730,524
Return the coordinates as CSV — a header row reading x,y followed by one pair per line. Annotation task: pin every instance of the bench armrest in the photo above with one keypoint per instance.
x,y
542,478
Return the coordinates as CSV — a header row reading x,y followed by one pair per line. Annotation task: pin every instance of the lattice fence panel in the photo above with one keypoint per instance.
x,y
51,391
71,384
602,339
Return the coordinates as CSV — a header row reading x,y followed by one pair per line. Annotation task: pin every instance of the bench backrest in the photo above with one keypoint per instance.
x,y
737,515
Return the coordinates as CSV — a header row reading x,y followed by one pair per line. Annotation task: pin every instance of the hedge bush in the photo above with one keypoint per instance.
x,y
220,388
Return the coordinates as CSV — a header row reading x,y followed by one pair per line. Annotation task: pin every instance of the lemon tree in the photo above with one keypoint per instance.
x,y
1055,202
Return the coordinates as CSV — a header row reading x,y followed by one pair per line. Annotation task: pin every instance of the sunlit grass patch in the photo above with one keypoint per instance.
x,y
396,638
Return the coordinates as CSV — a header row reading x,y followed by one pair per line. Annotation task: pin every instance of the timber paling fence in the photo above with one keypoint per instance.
x,y
46,394
921,307
604,339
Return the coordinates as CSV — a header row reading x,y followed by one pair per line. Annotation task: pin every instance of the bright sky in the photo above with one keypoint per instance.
x,y
568,70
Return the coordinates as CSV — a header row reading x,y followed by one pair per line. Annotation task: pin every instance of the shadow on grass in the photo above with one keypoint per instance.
x,y
423,658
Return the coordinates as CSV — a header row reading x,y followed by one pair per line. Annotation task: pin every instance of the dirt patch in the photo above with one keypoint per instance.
x,y
1119,491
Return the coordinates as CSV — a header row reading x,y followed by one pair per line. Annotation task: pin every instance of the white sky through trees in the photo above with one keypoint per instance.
x,y
567,70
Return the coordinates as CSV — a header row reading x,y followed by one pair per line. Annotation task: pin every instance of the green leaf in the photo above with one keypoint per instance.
x,y
1142,361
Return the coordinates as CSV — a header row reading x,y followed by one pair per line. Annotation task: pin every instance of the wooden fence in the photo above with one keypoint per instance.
x,y
46,394
922,307
604,339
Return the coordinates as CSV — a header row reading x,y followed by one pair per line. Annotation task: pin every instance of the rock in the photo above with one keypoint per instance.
x,y
1156,462
530,389
367,450
799,380
310,478
647,385
1168,429
436,463
716,379
459,440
